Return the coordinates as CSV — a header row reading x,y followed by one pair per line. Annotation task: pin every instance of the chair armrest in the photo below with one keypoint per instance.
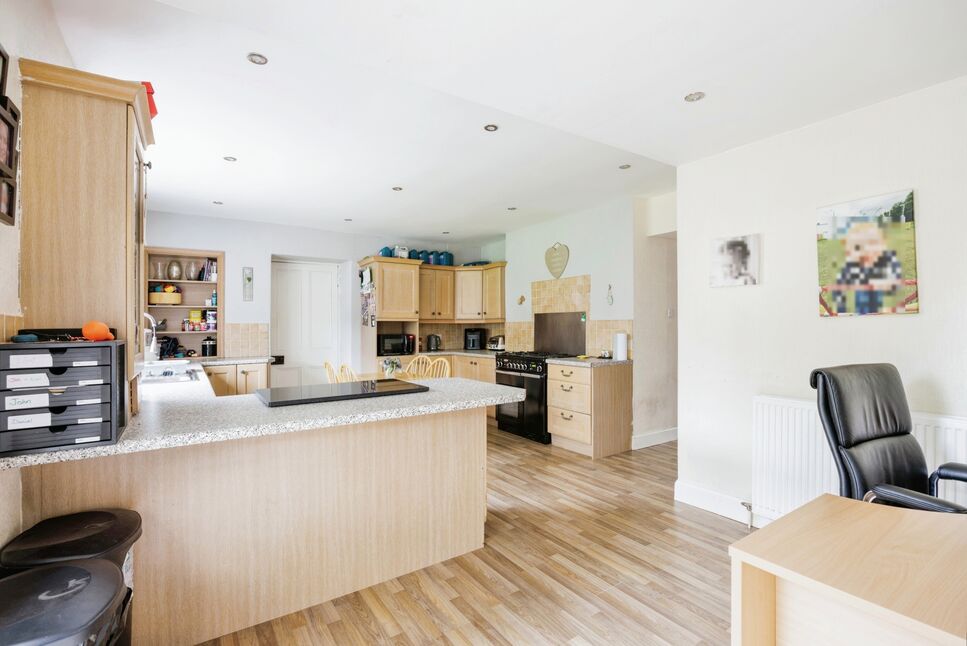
x,y
901,497
949,471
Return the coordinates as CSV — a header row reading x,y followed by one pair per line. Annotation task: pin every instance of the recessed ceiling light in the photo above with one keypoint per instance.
x,y
491,127
694,96
217,202
397,188
624,166
230,158
444,233
258,59
511,208
347,219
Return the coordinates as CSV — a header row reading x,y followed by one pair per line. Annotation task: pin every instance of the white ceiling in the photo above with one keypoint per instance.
x,y
360,96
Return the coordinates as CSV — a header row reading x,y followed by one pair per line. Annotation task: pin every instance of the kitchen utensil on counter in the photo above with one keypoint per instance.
x,y
620,346
496,342
473,338
209,347
433,342
174,270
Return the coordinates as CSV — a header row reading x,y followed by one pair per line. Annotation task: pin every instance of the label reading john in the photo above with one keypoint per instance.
x,y
29,380
44,360
36,420
36,400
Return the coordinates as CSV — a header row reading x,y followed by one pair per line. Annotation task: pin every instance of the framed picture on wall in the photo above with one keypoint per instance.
x,y
734,261
8,200
9,122
4,68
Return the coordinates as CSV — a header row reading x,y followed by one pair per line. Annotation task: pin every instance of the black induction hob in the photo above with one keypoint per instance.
x,y
292,395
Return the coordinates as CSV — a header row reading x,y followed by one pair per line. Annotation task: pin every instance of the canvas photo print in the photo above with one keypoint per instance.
x,y
868,257
735,261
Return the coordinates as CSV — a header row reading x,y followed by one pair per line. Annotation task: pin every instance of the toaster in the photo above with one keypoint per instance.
x,y
496,342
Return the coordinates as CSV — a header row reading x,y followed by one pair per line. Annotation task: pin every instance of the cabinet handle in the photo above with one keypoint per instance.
x,y
567,374
567,389
478,313
245,372
567,417
147,165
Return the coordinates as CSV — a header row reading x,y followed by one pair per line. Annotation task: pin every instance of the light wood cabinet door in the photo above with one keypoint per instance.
x,y
493,293
469,295
249,377
443,294
398,292
223,379
463,367
428,295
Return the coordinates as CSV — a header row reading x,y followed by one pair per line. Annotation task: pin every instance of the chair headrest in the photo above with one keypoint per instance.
x,y
864,401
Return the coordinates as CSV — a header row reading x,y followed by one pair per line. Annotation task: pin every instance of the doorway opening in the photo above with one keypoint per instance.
x,y
305,320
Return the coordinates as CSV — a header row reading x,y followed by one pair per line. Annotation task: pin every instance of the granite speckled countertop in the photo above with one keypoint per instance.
x,y
591,362
465,353
186,413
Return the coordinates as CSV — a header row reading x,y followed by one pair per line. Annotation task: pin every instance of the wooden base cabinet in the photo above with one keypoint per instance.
x,y
589,409
237,379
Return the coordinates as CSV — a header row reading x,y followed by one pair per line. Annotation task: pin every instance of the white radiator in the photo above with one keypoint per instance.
x,y
792,462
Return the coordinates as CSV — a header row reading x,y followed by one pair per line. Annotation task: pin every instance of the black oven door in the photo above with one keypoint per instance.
x,y
529,417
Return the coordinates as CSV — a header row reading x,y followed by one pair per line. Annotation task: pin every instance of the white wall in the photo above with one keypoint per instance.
x,y
601,244
656,323
252,244
27,30
742,341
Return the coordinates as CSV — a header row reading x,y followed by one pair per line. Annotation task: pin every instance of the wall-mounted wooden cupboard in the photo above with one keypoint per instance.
x,y
82,187
407,290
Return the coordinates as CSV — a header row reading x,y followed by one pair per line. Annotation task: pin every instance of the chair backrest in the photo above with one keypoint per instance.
x,y
346,374
439,368
864,412
419,366
331,373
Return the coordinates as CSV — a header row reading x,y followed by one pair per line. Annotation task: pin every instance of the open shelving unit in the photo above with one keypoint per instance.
x,y
193,293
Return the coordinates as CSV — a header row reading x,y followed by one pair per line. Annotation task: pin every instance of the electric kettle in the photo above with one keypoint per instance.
x,y
433,342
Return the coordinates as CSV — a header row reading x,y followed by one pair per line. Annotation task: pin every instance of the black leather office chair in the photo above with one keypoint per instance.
x,y
867,421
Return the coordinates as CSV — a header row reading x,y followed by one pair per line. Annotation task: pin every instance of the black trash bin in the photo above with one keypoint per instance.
x,y
97,534
75,602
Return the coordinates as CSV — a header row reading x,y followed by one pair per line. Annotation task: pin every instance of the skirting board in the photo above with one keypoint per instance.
x,y
651,438
715,502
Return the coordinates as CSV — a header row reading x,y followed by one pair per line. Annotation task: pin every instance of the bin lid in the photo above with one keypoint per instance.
x,y
85,535
60,604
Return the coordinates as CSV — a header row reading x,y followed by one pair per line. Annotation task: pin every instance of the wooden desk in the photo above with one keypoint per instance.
x,y
840,571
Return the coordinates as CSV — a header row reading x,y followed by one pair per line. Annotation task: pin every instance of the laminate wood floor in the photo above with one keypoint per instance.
x,y
576,552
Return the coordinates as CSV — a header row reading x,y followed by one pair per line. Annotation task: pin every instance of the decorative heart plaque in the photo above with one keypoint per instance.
x,y
556,259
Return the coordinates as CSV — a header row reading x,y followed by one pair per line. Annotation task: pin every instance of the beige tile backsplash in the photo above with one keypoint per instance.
x,y
571,294
451,334
245,340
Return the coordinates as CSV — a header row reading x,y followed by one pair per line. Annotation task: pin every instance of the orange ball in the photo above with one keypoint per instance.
x,y
97,331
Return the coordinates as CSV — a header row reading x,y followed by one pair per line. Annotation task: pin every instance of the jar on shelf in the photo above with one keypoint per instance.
x,y
158,269
174,270
191,271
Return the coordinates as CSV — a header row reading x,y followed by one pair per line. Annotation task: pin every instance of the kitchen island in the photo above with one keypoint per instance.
x,y
251,512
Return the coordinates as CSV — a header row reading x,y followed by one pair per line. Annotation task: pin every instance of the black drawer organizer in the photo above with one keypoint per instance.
x,y
61,395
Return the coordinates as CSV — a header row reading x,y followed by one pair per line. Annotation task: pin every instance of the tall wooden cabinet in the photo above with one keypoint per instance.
x,y
436,294
82,188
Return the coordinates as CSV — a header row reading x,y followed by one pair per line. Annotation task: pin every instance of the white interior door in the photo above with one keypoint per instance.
x,y
305,321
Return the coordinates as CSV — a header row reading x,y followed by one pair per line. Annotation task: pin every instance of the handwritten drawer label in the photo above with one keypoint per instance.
x,y
29,380
31,360
81,402
82,440
81,364
89,420
16,422
90,382
36,400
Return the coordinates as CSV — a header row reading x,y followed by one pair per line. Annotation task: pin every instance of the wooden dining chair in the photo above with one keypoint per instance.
x,y
346,374
439,368
331,373
420,366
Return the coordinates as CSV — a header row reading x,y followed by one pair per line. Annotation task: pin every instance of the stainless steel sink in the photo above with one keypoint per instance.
x,y
168,372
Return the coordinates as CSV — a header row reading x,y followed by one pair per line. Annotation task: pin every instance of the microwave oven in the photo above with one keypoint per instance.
x,y
388,345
